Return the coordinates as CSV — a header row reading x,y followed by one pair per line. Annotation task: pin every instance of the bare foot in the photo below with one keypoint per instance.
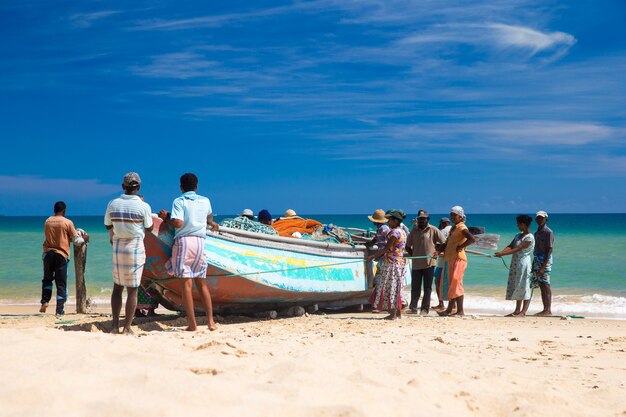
x,y
513,314
43,308
213,326
191,329
114,330
522,315
128,331
544,313
458,314
443,313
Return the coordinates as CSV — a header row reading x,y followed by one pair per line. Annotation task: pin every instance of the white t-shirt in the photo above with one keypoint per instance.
x,y
129,217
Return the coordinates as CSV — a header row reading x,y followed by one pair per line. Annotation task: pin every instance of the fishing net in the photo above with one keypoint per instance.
x,y
243,223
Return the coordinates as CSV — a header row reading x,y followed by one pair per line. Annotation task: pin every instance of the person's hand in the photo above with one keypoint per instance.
x,y
497,254
164,215
214,226
459,249
435,254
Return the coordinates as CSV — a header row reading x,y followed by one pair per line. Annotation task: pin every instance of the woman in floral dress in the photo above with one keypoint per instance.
x,y
520,272
388,293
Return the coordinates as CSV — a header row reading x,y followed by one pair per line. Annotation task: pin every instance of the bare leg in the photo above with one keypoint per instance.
x,y
188,305
518,306
439,290
448,311
392,314
205,296
522,313
459,307
131,306
116,307
546,298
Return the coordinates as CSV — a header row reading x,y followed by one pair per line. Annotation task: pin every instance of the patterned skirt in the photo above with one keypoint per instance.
x,y
129,258
188,259
388,292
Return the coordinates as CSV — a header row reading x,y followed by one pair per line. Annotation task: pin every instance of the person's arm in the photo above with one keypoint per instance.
x,y
469,239
409,243
438,240
175,218
510,250
148,224
390,243
213,225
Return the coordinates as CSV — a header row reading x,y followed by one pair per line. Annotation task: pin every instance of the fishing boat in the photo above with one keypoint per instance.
x,y
254,271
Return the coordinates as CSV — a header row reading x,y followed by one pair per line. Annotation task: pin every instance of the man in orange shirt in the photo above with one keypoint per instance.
x,y
59,233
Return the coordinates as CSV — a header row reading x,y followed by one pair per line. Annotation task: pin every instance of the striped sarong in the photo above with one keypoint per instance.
x,y
129,258
188,259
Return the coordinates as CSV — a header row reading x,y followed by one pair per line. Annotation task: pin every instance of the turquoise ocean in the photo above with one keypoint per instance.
x,y
588,278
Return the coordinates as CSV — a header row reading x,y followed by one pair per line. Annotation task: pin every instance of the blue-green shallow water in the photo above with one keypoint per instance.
x,y
589,260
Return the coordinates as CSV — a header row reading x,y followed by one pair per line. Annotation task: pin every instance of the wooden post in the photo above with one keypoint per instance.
x,y
80,261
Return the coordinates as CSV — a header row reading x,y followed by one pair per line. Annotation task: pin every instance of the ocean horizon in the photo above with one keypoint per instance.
x,y
589,274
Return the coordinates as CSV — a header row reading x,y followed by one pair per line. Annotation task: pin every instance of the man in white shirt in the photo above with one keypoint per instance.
x,y
128,217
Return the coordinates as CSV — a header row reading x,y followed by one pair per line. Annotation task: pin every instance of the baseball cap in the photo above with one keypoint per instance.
x,y
422,214
131,179
541,213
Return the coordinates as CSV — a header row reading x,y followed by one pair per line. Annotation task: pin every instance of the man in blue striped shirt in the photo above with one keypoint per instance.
x,y
127,217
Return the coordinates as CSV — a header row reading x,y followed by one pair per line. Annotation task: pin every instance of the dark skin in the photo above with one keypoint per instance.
x,y
439,279
458,301
201,285
371,242
521,306
394,313
116,296
546,290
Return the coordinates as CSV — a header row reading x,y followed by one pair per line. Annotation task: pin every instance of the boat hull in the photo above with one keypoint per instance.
x,y
257,271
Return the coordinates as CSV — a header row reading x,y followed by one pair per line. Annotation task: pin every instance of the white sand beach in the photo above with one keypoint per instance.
x,y
317,365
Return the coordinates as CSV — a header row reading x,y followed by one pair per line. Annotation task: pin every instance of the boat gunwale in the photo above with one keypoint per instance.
x,y
290,244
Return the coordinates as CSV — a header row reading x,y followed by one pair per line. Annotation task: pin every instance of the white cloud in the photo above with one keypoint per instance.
x,y
86,20
495,36
79,189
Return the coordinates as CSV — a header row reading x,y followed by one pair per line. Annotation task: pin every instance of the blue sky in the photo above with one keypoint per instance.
x,y
324,106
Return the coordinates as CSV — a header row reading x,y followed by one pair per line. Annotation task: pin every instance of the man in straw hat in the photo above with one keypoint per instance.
x,y
128,218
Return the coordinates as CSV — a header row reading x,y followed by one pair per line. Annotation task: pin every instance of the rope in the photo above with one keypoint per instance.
x,y
156,281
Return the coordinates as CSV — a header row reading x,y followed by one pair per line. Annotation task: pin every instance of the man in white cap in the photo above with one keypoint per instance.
x,y
542,262
248,214
127,217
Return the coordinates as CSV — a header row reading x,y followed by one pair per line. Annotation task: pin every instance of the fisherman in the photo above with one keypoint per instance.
x,y
292,225
422,243
59,232
265,217
248,214
441,268
128,218
190,215
542,262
